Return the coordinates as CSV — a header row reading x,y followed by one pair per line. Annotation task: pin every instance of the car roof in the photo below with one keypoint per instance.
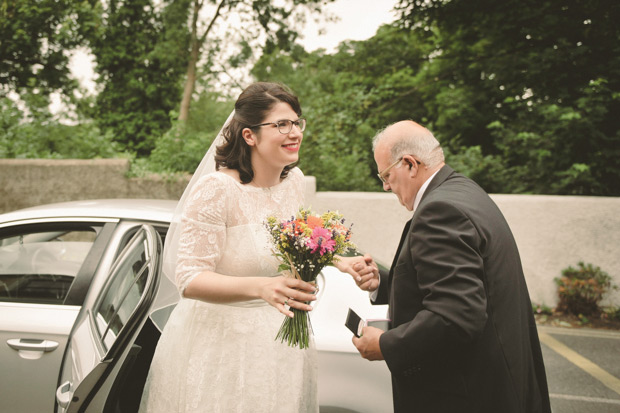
x,y
143,209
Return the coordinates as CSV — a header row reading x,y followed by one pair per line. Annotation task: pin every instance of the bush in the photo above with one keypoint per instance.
x,y
581,289
42,136
184,145
542,309
611,314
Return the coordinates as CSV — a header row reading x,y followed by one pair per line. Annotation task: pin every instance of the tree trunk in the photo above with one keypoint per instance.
x,y
196,44
190,81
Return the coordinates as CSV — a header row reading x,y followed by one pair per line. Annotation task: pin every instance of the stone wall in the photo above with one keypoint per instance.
x,y
552,232
29,182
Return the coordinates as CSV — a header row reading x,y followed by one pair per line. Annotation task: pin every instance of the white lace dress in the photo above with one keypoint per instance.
x,y
224,357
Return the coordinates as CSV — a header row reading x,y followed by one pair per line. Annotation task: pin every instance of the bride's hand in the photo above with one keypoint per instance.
x,y
282,291
363,269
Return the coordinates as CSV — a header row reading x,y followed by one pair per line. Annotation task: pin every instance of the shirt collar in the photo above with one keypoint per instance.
x,y
420,193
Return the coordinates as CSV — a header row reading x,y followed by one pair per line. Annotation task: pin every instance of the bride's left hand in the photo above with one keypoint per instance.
x,y
284,293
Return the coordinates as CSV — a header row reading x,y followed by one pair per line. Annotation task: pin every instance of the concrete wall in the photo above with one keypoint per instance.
x,y
552,232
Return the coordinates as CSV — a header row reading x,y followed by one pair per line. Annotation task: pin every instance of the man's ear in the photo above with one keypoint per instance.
x,y
248,136
411,164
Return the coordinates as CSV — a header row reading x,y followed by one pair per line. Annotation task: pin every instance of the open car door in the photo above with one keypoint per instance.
x,y
102,345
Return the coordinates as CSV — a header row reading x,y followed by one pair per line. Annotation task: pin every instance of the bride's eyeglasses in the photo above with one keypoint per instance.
x,y
285,125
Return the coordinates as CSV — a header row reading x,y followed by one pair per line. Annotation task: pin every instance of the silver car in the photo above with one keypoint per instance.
x,y
77,283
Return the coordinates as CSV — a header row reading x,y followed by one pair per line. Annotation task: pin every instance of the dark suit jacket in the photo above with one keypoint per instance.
x,y
462,336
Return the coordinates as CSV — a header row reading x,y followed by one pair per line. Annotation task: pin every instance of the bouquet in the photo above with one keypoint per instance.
x,y
305,244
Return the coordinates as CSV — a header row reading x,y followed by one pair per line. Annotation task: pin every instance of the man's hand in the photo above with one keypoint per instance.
x,y
368,343
363,269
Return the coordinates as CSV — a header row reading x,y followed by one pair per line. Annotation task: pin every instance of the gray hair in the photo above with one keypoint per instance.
x,y
421,144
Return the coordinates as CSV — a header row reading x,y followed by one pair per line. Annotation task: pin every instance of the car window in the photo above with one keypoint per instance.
x,y
39,266
124,291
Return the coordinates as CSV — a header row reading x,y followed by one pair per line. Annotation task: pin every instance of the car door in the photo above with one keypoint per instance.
x,y
101,345
45,268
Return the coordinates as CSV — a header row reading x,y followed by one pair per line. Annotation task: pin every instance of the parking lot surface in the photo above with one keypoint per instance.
x,y
583,369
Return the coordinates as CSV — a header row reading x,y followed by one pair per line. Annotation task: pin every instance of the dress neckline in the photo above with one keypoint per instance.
x,y
256,188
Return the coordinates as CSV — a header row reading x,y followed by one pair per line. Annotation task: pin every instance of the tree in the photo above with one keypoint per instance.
x,y
492,88
140,60
538,88
34,39
346,97
255,20
43,137
184,145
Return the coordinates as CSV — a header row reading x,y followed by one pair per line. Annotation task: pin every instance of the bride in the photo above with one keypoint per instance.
x,y
218,352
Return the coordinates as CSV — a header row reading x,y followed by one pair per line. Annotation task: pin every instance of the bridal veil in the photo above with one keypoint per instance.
x,y
167,294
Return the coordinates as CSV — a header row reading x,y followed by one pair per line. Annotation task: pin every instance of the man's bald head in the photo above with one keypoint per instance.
x,y
409,137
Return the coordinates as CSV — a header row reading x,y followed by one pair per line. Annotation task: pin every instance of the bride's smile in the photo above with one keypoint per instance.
x,y
294,147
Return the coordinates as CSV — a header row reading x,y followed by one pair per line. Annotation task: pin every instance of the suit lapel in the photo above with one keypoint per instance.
x,y
403,236
400,245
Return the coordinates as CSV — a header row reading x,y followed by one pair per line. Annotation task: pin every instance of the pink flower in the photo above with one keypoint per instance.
x,y
321,240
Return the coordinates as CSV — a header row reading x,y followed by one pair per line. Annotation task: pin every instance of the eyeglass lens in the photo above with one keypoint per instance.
x,y
384,175
285,126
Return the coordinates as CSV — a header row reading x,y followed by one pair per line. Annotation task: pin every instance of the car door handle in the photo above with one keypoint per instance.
x,y
30,344
64,394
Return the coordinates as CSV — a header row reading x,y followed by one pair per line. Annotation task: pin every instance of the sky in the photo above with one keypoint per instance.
x,y
359,20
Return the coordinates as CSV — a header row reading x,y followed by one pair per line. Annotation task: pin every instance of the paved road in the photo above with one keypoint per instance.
x,y
583,369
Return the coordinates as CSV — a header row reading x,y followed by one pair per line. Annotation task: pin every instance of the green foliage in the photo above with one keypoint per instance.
x,y
564,145
346,98
43,137
489,171
522,103
581,289
141,56
537,89
182,147
542,309
34,38
611,313
511,135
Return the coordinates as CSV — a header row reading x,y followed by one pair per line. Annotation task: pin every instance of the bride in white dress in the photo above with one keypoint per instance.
x,y
218,352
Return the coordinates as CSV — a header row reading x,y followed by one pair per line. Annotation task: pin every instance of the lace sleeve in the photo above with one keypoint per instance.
x,y
203,230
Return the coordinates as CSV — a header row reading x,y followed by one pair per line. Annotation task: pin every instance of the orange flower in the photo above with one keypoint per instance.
x,y
314,222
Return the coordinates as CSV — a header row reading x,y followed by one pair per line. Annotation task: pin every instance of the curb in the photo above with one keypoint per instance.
x,y
583,332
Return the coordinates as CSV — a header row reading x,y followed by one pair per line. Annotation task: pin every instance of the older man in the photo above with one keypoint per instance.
x,y
462,336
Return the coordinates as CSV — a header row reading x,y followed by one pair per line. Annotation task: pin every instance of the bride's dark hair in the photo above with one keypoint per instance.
x,y
251,108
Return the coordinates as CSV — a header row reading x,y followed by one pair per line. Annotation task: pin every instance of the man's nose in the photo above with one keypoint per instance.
x,y
386,187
